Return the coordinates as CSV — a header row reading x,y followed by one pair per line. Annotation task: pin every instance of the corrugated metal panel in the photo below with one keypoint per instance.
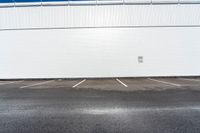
x,y
165,1
138,1
91,2
99,16
189,1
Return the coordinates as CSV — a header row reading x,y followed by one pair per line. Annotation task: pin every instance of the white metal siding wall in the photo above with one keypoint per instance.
x,y
99,52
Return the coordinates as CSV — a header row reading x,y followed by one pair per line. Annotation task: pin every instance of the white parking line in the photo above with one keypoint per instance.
x,y
198,80
122,83
41,83
11,82
78,83
164,82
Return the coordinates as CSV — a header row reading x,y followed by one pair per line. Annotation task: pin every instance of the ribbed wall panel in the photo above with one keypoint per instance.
x,y
4,3
99,16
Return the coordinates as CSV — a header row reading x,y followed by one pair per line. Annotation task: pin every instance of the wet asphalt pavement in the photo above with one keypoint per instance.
x,y
67,110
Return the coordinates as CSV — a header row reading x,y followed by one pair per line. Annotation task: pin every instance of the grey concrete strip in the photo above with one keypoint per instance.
x,y
79,83
40,83
164,82
121,82
11,82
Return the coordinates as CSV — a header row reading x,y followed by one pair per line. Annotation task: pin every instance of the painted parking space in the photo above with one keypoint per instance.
x,y
191,79
20,83
1,81
37,84
57,84
102,84
28,83
143,84
10,82
165,82
77,84
182,81
121,82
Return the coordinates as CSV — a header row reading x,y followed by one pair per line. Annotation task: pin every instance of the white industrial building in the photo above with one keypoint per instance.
x,y
78,39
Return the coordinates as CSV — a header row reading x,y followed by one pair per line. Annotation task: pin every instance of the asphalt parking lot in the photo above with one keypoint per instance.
x,y
122,105
116,84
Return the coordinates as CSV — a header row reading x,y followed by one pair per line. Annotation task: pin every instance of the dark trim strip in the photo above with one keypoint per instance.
x,y
11,5
63,28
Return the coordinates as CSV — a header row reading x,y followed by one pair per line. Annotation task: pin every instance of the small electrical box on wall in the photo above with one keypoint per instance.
x,y
140,59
